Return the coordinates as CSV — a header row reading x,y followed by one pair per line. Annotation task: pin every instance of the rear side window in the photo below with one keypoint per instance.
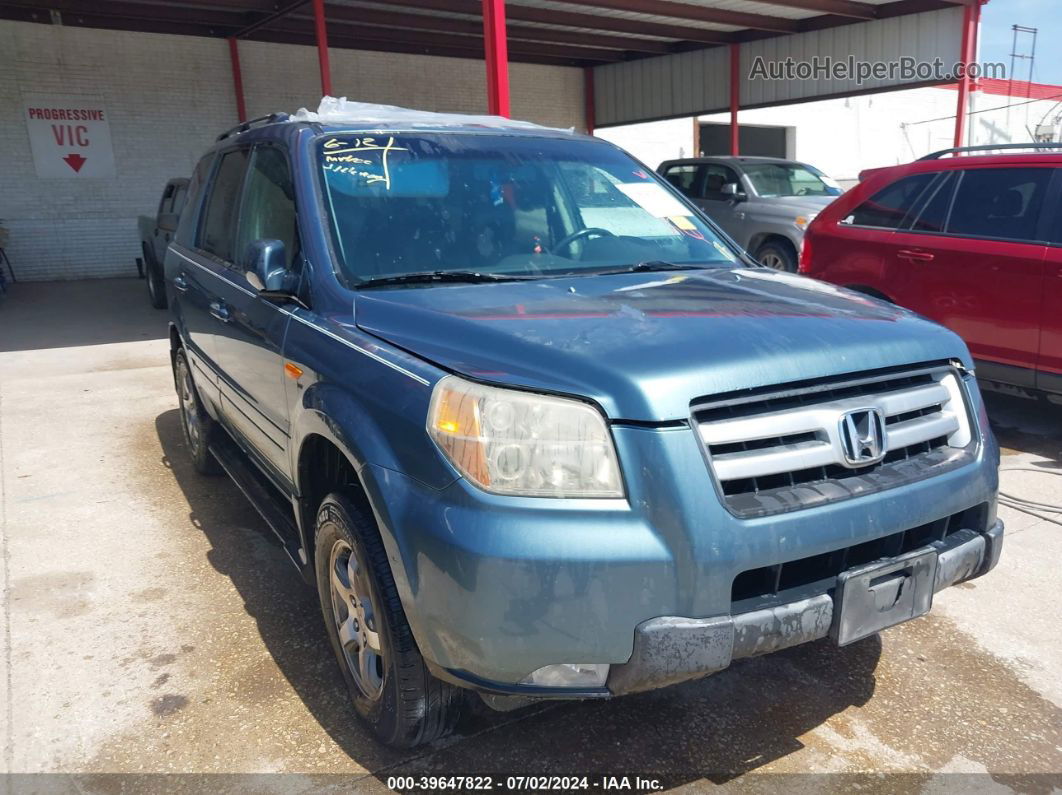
x,y
219,215
268,211
1000,203
889,206
685,178
932,215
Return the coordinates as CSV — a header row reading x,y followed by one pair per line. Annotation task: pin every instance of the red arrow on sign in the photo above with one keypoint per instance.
x,y
75,161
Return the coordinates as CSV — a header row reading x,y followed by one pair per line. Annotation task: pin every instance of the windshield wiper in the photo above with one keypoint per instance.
x,y
439,277
651,265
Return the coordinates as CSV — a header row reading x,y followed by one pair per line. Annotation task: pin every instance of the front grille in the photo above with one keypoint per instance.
x,y
785,449
799,579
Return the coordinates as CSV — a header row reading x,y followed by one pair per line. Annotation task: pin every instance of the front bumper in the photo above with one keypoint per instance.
x,y
497,587
669,650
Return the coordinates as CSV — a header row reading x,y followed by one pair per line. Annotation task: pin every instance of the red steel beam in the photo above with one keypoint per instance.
x,y
237,78
321,34
735,98
971,20
497,57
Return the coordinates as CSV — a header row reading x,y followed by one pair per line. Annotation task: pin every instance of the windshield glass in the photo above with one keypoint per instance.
x,y
501,204
789,179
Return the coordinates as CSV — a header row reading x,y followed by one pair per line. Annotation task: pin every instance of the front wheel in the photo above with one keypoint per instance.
x,y
388,681
780,256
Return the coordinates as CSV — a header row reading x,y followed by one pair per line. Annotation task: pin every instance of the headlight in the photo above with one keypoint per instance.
x,y
802,221
519,443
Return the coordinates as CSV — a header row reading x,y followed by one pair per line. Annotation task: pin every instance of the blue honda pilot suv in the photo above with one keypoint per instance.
x,y
535,428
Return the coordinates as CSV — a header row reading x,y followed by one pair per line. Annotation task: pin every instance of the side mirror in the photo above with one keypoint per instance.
x,y
266,264
733,191
168,222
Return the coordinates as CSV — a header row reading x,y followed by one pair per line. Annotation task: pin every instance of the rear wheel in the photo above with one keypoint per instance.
x,y
778,255
389,683
153,277
199,428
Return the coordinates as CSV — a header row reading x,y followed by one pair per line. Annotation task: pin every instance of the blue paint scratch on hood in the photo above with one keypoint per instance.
x,y
644,345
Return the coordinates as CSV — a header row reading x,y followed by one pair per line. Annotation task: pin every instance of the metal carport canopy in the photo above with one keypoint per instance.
x,y
643,59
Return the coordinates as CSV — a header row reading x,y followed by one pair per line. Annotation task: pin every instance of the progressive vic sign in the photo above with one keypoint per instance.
x,y
70,136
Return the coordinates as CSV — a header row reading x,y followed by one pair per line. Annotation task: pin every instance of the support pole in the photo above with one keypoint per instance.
x,y
588,98
322,47
971,21
237,78
735,98
496,50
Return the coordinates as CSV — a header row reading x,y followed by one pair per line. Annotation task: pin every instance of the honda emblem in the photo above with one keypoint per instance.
x,y
863,437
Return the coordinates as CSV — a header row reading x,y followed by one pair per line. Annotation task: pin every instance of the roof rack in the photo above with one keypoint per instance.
x,y
244,126
989,148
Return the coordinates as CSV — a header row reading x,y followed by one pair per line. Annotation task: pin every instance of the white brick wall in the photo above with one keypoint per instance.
x,y
167,97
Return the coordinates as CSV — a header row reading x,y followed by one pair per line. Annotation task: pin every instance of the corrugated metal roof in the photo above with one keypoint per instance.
x,y
632,15
691,83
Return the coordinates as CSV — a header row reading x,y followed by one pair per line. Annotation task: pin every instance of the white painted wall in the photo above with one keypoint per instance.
x,y
844,136
168,97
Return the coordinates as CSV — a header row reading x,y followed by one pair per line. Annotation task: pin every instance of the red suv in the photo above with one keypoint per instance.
x,y
972,241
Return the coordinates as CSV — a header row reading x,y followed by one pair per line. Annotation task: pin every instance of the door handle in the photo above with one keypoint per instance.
x,y
915,256
180,282
219,310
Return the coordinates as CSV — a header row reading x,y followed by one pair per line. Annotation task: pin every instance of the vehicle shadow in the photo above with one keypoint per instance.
x,y
1025,425
40,315
716,728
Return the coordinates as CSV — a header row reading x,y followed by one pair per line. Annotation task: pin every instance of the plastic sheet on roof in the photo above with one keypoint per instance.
x,y
333,110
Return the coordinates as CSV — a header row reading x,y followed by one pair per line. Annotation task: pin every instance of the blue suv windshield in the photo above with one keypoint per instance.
x,y
501,204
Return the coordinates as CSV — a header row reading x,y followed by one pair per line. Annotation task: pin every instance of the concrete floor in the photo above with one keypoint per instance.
x,y
151,625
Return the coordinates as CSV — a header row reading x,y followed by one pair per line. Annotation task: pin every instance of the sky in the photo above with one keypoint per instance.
x,y
997,37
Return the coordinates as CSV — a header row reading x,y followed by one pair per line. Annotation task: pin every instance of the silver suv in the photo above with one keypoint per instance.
x,y
763,203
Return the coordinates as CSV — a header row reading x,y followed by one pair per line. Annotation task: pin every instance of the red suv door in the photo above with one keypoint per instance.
x,y
971,257
847,247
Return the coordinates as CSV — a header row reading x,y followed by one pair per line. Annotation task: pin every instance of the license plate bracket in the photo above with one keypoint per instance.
x,y
879,595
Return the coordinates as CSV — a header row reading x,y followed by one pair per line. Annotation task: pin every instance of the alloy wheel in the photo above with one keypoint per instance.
x,y
772,260
355,617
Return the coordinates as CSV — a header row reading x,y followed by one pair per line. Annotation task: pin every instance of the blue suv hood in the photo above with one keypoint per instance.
x,y
643,345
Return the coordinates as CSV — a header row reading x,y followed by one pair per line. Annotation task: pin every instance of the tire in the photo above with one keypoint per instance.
x,y
156,287
389,684
199,429
777,255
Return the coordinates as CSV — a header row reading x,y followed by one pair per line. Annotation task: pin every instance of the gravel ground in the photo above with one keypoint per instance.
x,y
152,626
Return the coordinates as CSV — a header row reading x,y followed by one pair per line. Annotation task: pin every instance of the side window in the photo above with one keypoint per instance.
x,y
186,227
999,202
715,177
685,178
268,210
219,215
889,206
932,213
